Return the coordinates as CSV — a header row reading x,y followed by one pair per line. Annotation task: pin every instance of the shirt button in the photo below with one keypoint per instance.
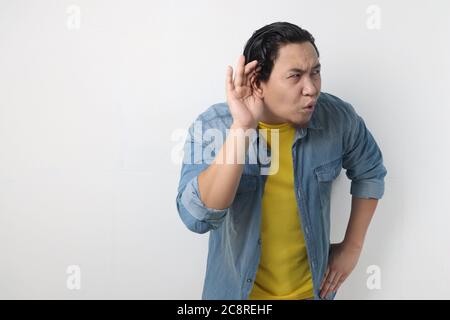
x,y
259,241
249,280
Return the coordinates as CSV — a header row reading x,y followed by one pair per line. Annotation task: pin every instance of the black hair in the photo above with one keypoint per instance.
x,y
265,42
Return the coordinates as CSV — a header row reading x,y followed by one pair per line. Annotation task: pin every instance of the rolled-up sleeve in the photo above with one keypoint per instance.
x,y
363,161
193,212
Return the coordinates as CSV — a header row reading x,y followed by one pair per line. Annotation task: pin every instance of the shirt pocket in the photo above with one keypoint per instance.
x,y
329,171
325,175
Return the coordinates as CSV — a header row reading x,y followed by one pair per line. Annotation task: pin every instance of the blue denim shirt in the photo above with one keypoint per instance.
x,y
336,137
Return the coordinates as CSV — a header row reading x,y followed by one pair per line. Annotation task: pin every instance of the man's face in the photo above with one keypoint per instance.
x,y
293,85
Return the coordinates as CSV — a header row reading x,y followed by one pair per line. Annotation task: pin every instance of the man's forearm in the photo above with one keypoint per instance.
x,y
218,183
361,214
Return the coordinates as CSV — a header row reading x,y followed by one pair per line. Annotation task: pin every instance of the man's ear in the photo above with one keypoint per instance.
x,y
258,89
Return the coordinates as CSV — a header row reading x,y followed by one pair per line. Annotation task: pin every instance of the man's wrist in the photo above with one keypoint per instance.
x,y
352,245
238,126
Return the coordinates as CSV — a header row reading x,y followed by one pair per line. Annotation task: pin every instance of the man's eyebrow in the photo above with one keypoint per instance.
x,y
301,71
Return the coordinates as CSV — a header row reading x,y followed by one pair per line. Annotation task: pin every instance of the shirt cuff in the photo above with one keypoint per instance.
x,y
367,189
192,202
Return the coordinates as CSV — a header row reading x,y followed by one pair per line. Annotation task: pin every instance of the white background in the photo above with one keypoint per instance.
x,y
87,113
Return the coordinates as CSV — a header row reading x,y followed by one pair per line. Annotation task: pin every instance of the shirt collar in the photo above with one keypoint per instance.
x,y
314,124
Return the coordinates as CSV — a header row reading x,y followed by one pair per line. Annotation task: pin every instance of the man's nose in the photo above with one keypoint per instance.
x,y
309,87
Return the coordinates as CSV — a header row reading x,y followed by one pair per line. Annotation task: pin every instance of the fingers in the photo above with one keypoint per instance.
x,y
244,70
338,282
324,278
239,78
249,67
229,79
329,283
244,76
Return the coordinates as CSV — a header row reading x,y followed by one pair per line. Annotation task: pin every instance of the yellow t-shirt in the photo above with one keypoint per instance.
x,y
283,271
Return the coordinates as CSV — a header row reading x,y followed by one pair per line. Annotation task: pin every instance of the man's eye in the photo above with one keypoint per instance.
x,y
295,76
316,71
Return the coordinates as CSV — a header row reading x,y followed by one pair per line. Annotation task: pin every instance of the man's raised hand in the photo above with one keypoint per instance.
x,y
245,104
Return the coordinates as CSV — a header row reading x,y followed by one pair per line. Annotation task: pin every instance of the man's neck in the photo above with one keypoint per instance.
x,y
269,118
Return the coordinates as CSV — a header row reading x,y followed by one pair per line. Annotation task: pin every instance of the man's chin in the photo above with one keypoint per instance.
x,y
301,122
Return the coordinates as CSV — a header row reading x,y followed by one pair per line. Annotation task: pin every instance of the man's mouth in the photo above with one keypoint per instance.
x,y
310,107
